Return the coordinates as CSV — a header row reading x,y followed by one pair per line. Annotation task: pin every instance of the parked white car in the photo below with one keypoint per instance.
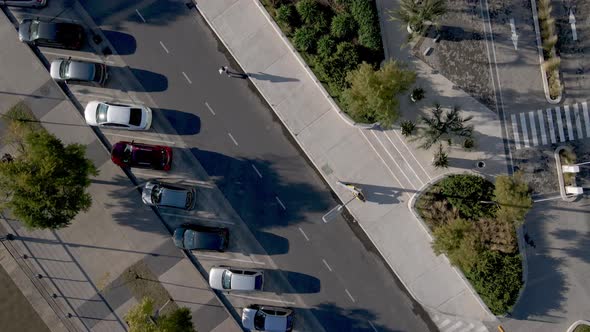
x,y
118,116
227,278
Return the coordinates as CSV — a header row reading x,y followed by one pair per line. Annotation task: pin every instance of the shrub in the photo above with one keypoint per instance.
x,y
514,197
334,69
287,16
469,143
308,10
343,25
305,39
326,46
468,193
441,158
369,32
408,128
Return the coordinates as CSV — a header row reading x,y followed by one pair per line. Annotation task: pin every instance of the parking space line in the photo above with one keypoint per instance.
x,y
560,124
256,170
578,121
586,118
326,264
372,326
568,121
281,203
188,79
260,298
533,128
515,131
164,47
196,218
210,109
141,138
140,16
304,235
76,57
525,132
542,125
551,125
349,295
229,259
233,139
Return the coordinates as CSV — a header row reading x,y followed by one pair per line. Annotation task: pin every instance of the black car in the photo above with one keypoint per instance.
x,y
52,34
197,237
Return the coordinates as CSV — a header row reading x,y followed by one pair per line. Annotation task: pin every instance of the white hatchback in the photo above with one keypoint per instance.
x,y
235,279
118,116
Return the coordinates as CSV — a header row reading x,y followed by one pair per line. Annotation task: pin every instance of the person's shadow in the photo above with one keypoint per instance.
x,y
271,78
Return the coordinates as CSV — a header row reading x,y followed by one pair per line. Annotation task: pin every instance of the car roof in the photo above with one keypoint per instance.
x,y
81,70
202,239
118,113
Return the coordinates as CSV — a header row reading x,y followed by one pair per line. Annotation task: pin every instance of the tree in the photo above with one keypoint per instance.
x,y
372,93
441,158
417,14
444,126
513,195
180,320
45,184
469,194
139,317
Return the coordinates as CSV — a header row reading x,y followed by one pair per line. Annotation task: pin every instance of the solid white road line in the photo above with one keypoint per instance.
x,y
260,298
413,156
210,109
228,259
568,121
196,218
551,125
533,128
404,158
326,264
256,170
393,159
560,124
515,131
140,138
304,235
578,121
140,16
372,326
348,293
281,203
542,124
586,118
525,132
164,47
188,79
232,138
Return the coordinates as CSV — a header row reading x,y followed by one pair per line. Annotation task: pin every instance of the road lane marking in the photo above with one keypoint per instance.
x,y
533,128
233,139
551,125
188,79
560,124
140,16
404,158
256,170
515,131
196,218
304,235
568,119
542,125
326,264
279,200
164,47
382,160
393,159
261,298
546,199
413,156
229,259
372,326
210,109
348,293
525,133
141,138
586,118
578,121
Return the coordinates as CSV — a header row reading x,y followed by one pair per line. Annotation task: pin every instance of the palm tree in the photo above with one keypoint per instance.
x,y
418,13
441,158
444,126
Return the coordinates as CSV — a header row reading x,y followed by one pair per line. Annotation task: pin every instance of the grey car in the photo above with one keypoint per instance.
x,y
198,237
257,317
74,71
51,34
24,3
235,279
156,193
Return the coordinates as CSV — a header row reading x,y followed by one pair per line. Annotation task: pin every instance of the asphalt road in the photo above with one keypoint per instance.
x,y
268,181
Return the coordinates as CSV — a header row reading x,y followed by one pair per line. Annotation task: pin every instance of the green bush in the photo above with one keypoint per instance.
x,y
305,39
466,193
287,15
333,69
326,46
365,15
308,10
343,25
582,328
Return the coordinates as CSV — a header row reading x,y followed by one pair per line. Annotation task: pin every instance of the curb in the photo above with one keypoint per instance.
x,y
576,324
564,195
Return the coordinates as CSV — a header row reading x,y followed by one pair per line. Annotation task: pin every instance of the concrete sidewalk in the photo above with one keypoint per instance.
x,y
388,168
113,254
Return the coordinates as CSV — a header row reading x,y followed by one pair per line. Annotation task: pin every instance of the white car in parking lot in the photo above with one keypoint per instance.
x,y
235,279
118,116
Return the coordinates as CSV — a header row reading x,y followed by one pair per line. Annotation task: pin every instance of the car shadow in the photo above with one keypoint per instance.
x,y
149,80
181,123
300,283
335,318
124,43
273,244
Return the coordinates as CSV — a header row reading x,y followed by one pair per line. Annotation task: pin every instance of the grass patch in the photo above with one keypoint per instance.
x,y
582,328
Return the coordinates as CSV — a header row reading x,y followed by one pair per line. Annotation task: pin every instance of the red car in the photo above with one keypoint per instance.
x,y
131,154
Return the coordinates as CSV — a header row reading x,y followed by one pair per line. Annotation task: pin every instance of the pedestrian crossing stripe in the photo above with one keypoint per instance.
x,y
565,123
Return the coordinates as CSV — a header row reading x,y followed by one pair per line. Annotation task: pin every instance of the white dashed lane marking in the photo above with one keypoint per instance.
x,y
188,79
326,264
164,47
256,170
349,295
210,109
281,203
303,233
233,139
140,16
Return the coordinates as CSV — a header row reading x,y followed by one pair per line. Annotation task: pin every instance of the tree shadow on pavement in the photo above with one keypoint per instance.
x,y
124,43
334,318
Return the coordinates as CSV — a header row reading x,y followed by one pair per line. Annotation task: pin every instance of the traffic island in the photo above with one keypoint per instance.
x,y
580,326
565,159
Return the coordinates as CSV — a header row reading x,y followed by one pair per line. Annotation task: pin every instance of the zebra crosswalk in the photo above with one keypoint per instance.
x,y
550,126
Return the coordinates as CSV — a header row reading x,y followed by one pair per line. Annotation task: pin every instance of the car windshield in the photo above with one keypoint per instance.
x,y
34,30
101,113
64,68
259,320
226,279
156,194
